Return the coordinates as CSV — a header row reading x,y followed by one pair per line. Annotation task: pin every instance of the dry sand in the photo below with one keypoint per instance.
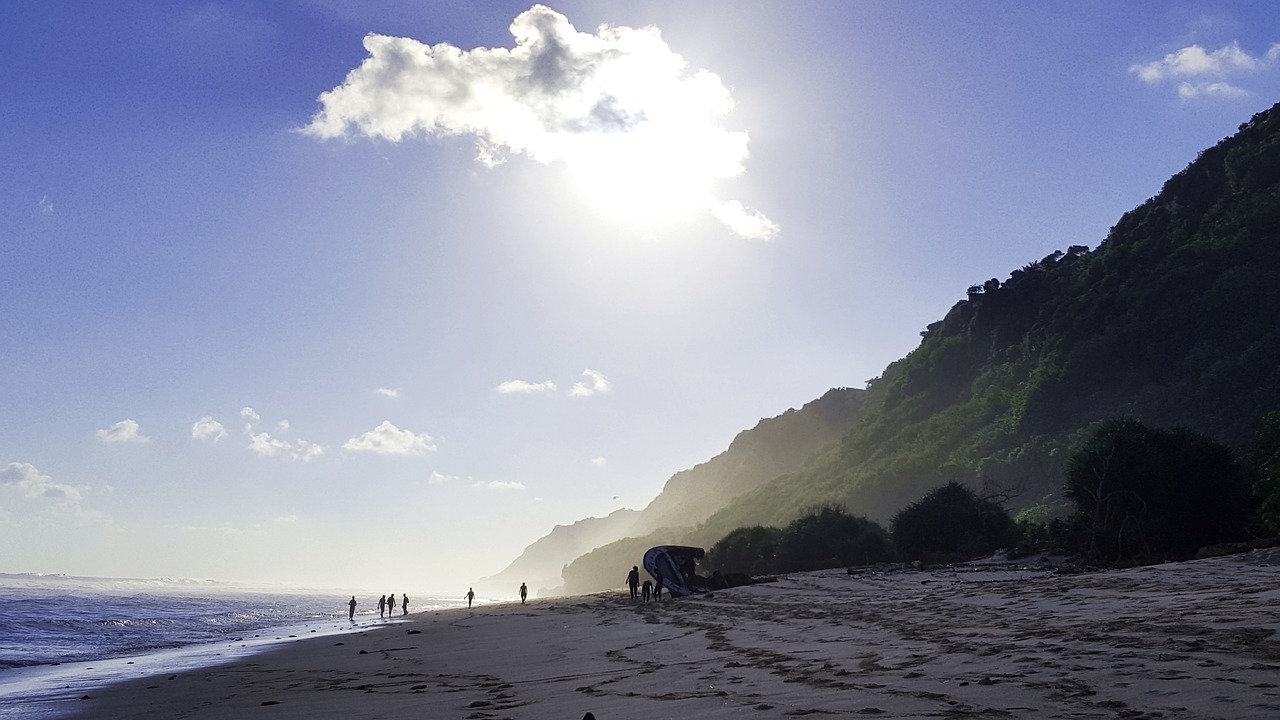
x,y
1181,640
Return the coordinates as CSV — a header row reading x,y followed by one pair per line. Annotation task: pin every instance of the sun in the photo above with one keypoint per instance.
x,y
643,176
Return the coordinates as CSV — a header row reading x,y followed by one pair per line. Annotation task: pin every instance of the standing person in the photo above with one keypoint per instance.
x,y
633,581
351,613
391,604
645,590
524,592
471,595
657,589
404,604
382,605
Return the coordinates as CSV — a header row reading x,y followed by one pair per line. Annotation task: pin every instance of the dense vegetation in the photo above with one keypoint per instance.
x,y
1170,323
951,523
1144,493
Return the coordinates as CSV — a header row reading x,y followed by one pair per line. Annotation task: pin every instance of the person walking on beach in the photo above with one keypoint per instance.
x,y
351,613
524,592
391,604
471,595
657,590
633,581
645,590
404,604
382,605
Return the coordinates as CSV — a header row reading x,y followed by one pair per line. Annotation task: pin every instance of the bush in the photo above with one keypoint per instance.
x,y
1264,454
951,523
751,550
829,537
1147,494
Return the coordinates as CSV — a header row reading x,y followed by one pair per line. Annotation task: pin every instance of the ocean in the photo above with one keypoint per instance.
x,y
54,628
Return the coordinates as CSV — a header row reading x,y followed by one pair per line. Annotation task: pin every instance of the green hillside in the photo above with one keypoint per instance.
x,y
1173,320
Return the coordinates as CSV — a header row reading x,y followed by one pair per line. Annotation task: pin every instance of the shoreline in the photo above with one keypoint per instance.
x,y
1192,639
43,690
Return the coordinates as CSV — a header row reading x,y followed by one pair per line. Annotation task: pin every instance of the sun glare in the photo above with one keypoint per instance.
x,y
642,176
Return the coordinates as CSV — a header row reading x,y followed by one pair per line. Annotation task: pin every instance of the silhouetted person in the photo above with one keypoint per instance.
x,y
404,604
633,581
657,590
351,614
645,590
471,595
391,604
524,592
382,605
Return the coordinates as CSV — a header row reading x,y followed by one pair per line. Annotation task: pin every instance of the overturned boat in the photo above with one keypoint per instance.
x,y
674,568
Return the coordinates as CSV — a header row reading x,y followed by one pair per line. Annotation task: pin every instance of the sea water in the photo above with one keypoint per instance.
x,y
60,634
47,619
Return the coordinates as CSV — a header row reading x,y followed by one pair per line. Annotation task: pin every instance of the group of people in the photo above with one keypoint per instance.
x,y
387,603
643,591
386,606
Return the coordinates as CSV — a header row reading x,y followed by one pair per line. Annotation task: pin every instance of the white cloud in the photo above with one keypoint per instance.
x,y
1188,91
27,480
742,220
387,439
46,205
596,383
267,446
1199,72
599,461
388,392
125,431
250,414
618,107
440,479
206,428
283,426
501,485
511,387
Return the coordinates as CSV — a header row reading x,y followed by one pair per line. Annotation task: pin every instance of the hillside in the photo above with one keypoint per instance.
x,y
775,446
1172,320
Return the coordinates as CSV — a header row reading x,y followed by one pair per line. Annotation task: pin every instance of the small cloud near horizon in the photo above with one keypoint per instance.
x,y
522,387
125,431
28,481
501,485
1198,72
265,445
387,439
206,428
596,384
388,392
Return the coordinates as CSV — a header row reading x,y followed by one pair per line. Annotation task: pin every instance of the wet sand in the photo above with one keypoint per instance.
x,y
1199,639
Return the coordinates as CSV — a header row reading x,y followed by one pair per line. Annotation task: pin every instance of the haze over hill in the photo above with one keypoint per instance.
x,y
775,446
1171,321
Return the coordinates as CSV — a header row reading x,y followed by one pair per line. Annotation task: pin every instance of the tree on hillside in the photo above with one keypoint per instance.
x,y
950,523
1144,493
752,550
1264,456
829,537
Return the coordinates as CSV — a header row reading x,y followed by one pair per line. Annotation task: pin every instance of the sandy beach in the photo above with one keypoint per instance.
x,y
1000,639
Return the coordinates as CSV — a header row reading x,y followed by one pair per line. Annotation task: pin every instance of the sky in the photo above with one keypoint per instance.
x,y
373,295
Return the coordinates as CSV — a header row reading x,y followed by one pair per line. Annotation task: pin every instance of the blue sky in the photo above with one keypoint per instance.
x,y
277,306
